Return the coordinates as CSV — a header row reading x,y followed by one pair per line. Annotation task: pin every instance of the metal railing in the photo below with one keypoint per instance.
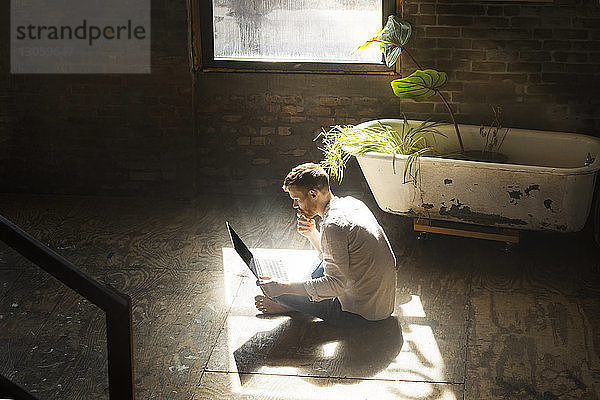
x,y
116,305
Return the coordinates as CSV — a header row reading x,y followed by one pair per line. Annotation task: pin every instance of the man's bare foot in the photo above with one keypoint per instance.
x,y
268,306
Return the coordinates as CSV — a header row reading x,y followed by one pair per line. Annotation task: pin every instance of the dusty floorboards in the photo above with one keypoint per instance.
x,y
472,321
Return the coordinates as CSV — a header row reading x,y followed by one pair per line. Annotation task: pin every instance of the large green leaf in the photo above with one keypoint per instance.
x,y
394,36
391,38
419,85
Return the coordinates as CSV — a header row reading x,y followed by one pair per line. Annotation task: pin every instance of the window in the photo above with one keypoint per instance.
x,y
291,35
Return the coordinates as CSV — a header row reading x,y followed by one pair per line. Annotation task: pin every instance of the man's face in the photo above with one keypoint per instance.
x,y
304,200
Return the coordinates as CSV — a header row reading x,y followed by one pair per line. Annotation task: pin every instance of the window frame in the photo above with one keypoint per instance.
x,y
203,49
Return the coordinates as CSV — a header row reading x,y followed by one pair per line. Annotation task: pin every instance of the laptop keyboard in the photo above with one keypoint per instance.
x,y
273,268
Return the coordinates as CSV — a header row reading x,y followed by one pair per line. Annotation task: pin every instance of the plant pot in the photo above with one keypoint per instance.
x,y
546,183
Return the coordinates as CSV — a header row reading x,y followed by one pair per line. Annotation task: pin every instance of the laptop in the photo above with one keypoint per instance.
x,y
260,266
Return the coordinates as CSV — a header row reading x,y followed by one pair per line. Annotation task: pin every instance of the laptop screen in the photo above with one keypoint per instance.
x,y
240,247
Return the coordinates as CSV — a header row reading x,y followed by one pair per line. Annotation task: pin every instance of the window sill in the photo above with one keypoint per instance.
x,y
294,71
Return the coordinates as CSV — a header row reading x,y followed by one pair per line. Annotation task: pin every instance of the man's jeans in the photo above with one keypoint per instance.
x,y
329,310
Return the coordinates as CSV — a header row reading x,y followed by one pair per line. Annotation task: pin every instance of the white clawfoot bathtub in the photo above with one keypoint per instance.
x,y
546,184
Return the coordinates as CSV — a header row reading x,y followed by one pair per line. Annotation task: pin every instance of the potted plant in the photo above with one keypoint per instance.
x,y
410,140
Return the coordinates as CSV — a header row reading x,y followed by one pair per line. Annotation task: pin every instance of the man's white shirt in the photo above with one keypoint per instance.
x,y
359,264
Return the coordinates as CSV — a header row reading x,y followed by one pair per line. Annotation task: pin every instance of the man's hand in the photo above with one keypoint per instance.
x,y
306,226
274,288
271,287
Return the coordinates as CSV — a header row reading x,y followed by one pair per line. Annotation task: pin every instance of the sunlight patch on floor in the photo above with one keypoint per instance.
x,y
330,348
307,364
258,386
413,308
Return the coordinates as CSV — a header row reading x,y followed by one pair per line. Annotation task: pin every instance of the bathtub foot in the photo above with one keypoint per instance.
x,y
508,247
423,236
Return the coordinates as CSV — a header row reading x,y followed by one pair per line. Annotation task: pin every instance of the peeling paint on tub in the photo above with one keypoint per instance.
x,y
548,204
530,188
427,205
561,227
463,212
447,181
514,196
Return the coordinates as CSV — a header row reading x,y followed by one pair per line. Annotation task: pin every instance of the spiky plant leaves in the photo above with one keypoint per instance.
x,y
419,85
342,142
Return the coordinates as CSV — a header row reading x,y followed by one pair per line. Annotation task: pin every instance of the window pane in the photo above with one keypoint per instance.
x,y
296,30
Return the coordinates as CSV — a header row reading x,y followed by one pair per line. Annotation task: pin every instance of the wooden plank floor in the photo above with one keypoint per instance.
x,y
471,321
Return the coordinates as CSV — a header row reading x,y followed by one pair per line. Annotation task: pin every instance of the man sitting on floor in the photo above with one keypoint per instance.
x,y
355,278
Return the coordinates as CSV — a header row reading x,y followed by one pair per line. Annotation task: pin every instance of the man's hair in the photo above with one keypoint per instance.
x,y
307,176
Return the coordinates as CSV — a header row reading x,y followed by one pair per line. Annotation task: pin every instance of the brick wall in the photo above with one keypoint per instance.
x,y
107,134
539,61
253,128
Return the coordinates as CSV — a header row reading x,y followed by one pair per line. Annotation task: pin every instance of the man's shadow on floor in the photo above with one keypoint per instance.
x,y
317,349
